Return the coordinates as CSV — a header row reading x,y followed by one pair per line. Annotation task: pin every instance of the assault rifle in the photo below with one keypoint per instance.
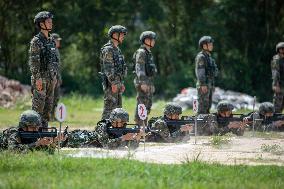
x,y
120,131
43,132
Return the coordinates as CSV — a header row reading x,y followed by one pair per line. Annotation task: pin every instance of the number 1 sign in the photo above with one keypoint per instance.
x,y
142,111
60,112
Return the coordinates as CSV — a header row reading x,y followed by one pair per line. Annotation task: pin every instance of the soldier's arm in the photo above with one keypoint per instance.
x,y
108,65
105,140
34,58
200,69
161,128
275,72
14,143
140,60
216,70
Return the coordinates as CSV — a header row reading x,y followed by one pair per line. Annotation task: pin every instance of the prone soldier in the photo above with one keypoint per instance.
x,y
161,131
113,132
30,123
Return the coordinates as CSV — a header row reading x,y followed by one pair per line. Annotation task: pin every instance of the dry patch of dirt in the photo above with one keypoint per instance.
x,y
240,150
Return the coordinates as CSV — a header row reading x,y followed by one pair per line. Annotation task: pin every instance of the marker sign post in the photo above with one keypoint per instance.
x,y
195,109
60,115
142,113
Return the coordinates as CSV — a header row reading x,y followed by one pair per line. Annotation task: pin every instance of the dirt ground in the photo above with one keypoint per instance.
x,y
248,150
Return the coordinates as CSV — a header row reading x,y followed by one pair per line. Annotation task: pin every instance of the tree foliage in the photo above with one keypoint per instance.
x,y
245,34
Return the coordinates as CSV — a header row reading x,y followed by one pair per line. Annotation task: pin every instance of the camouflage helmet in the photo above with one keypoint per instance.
x,y
224,105
29,118
279,45
119,113
118,29
42,16
56,36
147,34
172,108
204,40
266,107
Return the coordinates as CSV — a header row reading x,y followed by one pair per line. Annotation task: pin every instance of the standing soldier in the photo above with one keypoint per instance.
x,y
43,64
145,70
113,70
57,39
206,70
277,67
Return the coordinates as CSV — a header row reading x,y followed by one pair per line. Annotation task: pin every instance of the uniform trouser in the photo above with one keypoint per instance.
x,y
204,100
143,98
56,97
278,102
42,101
111,101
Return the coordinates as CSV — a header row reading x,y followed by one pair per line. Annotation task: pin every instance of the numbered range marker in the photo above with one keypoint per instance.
x,y
195,105
142,111
61,112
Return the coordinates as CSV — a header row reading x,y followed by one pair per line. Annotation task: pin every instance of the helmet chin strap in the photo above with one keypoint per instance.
x,y
49,30
117,38
150,45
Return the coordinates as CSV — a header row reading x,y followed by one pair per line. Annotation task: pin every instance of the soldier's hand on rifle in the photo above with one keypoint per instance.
x,y
39,84
144,88
128,136
122,88
62,137
204,89
235,125
276,89
186,127
44,141
114,88
279,123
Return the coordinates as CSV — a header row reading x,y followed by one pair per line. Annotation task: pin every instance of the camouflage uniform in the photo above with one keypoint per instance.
x,y
43,64
113,72
12,141
161,132
277,67
82,138
59,78
109,141
206,70
222,128
145,69
261,122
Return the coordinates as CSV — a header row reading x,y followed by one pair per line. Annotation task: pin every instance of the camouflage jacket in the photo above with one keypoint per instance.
x,y
12,141
112,63
110,141
43,60
59,65
261,123
277,68
145,69
205,69
81,138
161,132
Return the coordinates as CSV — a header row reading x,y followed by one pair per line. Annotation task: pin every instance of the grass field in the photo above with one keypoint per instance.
x,y
82,111
39,170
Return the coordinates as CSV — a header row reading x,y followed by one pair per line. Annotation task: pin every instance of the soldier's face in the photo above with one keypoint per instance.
x,y
225,113
208,47
118,123
281,50
121,37
173,116
30,128
150,42
47,24
270,114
